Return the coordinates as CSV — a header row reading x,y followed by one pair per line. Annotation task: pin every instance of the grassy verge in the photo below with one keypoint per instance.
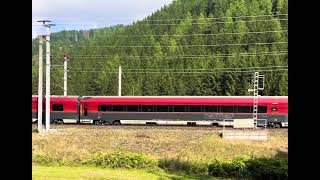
x,y
95,173
184,144
191,151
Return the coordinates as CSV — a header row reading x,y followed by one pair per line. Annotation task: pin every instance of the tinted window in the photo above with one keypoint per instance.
x,y
133,108
117,108
226,108
103,107
262,109
147,108
211,108
179,108
244,109
195,108
85,110
57,107
162,108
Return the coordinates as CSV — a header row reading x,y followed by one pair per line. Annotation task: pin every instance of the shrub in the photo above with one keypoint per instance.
x,y
256,168
122,160
44,160
234,168
268,168
189,167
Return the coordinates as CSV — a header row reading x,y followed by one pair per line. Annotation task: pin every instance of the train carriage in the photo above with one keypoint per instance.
x,y
62,109
34,108
183,110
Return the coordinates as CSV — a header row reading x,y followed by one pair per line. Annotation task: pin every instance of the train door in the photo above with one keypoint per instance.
x,y
274,108
84,114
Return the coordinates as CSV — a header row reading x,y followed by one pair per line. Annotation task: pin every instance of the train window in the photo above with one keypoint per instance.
x,y
226,108
133,108
262,109
274,109
195,108
57,107
244,109
211,108
147,108
103,107
162,108
117,108
179,108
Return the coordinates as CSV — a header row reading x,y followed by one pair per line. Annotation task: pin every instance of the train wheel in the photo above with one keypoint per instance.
x,y
105,123
116,123
55,121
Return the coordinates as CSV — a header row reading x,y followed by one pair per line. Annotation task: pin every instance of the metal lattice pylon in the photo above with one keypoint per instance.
x,y
256,88
255,97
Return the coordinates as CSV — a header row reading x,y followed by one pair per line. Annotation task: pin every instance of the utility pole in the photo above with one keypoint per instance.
x,y
120,75
47,26
65,75
40,84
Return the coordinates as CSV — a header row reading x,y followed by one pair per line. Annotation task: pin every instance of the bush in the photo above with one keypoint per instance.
x,y
43,160
189,167
268,168
122,160
275,168
256,168
234,168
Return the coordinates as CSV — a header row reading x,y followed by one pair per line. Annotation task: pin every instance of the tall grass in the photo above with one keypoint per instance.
x,y
187,150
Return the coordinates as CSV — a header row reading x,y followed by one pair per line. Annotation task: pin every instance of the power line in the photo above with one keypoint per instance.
x,y
255,67
182,35
186,56
212,68
179,24
252,68
181,19
178,70
240,71
221,22
92,57
199,45
226,17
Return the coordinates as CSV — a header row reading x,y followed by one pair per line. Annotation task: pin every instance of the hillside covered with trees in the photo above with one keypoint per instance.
x,y
190,47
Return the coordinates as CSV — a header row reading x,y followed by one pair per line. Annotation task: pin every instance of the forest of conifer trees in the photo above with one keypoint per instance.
x,y
190,47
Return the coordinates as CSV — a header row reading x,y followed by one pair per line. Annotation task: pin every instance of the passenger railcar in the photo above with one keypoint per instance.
x,y
189,110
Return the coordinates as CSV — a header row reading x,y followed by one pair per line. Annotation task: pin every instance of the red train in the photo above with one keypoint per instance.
x,y
188,110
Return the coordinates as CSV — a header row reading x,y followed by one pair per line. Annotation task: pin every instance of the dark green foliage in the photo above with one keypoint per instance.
x,y
234,168
268,169
93,70
260,168
123,160
44,160
275,168
189,167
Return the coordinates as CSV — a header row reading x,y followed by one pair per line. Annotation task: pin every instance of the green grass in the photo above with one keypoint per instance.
x,y
94,173
175,150
76,144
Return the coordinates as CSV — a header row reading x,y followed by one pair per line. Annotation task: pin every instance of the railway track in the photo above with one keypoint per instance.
x,y
173,127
